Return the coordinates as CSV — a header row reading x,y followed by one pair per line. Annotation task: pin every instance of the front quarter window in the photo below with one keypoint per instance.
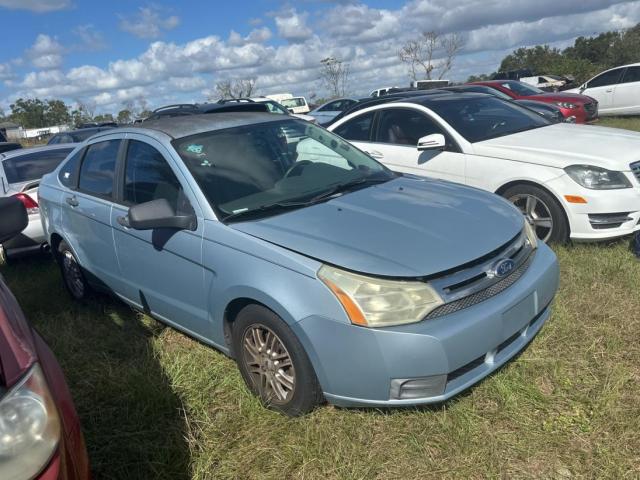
x,y
282,163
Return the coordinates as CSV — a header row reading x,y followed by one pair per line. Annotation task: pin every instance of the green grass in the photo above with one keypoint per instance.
x,y
156,404
630,123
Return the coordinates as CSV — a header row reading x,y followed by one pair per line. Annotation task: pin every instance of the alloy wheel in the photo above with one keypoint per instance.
x,y
73,274
269,364
536,212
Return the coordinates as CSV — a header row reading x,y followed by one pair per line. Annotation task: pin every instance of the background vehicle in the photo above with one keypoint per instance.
x,y
429,84
545,82
326,112
76,136
581,107
296,104
547,110
315,247
617,90
8,146
39,427
380,91
569,181
272,106
20,175
182,109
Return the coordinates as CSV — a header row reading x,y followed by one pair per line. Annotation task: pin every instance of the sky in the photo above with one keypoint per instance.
x,y
106,54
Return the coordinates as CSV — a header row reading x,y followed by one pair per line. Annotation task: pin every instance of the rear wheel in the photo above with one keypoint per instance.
x,y
541,210
72,274
273,362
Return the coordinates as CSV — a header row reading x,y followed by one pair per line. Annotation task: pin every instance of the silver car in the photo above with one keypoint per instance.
x,y
20,174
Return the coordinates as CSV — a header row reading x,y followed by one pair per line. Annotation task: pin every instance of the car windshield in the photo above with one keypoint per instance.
x,y
521,88
483,118
260,167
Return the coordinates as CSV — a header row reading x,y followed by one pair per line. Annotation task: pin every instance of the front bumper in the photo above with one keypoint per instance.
x,y
585,218
356,366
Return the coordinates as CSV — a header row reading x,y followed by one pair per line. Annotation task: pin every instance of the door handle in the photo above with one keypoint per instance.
x,y
375,154
123,221
608,91
73,201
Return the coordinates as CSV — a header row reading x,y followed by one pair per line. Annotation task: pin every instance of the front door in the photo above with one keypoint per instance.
x,y
395,144
602,89
626,97
162,268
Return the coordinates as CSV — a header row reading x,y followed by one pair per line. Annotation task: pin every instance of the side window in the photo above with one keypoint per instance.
x,y
328,107
357,129
69,172
148,177
632,74
607,78
98,168
402,126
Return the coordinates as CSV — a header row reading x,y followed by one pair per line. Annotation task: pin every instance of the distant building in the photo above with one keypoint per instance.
x,y
15,132
10,130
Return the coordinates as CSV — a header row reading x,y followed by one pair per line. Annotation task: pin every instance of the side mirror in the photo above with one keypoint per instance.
x,y
157,214
290,110
435,141
583,87
14,218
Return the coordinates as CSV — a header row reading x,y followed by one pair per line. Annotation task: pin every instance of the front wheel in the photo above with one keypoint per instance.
x,y
541,210
273,362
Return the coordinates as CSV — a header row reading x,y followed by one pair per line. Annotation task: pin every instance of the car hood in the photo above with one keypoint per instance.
x,y
560,97
565,144
407,227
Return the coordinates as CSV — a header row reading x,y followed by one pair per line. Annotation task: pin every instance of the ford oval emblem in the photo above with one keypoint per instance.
x,y
503,267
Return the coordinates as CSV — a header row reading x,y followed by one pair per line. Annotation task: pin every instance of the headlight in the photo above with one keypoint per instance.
x,y
530,232
375,302
597,178
29,427
566,105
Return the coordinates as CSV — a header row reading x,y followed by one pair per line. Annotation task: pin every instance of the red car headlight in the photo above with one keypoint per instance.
x,y
29,427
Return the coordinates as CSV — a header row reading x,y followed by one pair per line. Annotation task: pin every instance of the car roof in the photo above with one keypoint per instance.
x,y
85,130
184,126
43,148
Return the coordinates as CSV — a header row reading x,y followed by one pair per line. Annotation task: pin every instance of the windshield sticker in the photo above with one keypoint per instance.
x,y
193,148
205,163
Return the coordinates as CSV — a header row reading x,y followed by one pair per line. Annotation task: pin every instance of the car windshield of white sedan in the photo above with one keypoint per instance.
x,y
483,118
267,167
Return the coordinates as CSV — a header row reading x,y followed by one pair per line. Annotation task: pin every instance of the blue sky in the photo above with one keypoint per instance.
x,y
109,54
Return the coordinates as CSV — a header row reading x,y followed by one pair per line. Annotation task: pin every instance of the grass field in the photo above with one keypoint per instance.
x,y
155,404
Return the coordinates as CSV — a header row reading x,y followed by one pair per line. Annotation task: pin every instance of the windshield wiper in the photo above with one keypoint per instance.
x,y
290,205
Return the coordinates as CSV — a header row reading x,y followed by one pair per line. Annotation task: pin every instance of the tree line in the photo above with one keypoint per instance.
x,y
585,58
38,113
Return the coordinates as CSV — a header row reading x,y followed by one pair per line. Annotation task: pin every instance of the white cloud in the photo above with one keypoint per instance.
x,y
6,72
149,22
292,26
90,38
46,53
38,6
366,37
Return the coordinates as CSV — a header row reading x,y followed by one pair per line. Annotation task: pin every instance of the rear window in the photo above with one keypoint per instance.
x,y
32,166
294,102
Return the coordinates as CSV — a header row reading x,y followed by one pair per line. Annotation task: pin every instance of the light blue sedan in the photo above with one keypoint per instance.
x,y
324,274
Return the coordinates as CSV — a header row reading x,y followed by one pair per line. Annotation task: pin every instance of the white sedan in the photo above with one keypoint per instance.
x,y
571,181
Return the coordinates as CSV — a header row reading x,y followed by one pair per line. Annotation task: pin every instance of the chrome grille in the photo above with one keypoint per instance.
x,y
635,168
482,295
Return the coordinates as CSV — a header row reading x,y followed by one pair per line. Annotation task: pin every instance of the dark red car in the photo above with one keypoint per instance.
x,y
40,435
582,108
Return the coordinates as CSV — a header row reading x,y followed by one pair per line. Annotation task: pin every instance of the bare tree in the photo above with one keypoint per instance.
x,y
334,75
431,53
235,88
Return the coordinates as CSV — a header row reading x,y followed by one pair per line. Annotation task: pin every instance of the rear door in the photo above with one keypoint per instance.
x,y
86,210
602,89
626,96
396,136
161,269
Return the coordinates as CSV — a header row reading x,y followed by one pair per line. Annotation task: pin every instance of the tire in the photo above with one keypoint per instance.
x,y
263,343
542,210
72,276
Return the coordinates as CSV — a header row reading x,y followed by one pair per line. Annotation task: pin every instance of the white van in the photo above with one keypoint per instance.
x,y
617,90
296,104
